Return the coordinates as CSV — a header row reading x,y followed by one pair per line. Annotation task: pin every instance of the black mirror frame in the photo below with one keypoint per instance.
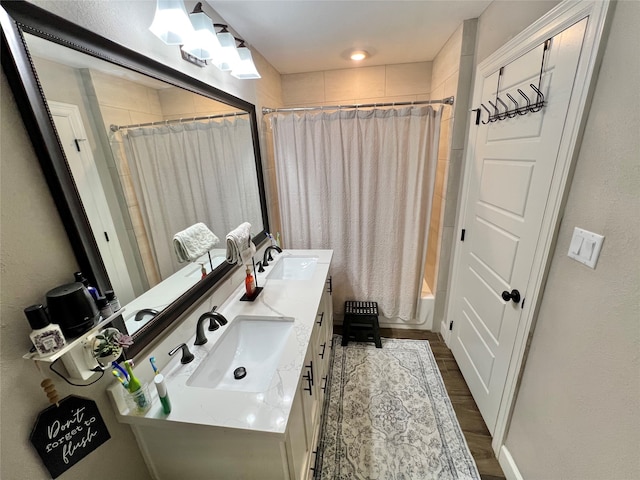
x,y
19,16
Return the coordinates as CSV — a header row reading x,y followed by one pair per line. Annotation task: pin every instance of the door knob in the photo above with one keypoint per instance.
x,y
514,295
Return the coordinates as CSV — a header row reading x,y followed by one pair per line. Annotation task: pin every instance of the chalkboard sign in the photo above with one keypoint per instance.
x,y
65,434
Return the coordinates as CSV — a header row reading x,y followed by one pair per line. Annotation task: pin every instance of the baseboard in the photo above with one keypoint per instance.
x,y
508,464
408,326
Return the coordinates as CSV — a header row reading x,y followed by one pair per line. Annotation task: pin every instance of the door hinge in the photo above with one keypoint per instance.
x,y
451,325
462,235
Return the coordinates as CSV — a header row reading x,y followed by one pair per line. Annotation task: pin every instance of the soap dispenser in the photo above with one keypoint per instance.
x,y
250,284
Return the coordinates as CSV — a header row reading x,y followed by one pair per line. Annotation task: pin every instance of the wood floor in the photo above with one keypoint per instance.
x,y
473,427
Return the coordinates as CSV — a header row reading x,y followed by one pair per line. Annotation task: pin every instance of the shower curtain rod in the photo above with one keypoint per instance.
x,y
446,101
115,128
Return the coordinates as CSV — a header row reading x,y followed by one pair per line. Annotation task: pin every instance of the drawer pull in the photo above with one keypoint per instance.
x,y
324,347
309,384
325,383
321,315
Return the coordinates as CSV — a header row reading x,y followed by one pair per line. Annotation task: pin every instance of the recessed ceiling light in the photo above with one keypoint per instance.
x,y
359,55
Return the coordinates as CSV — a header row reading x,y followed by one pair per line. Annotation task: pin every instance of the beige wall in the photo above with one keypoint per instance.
x,y
36,254
577,414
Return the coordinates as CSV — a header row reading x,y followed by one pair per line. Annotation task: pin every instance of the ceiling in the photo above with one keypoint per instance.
x,y
311,35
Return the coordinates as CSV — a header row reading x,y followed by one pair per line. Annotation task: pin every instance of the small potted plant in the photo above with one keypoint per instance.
x,y
108,344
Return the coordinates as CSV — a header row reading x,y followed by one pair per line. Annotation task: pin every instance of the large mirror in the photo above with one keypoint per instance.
x,y
134,152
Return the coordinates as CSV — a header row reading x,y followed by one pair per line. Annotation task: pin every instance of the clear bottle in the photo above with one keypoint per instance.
x,y
47,337
250,284
113,300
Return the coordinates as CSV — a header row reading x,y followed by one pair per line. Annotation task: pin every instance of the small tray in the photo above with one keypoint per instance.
x,y
246,298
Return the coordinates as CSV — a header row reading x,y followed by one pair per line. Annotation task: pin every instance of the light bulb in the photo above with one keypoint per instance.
x,y
359,55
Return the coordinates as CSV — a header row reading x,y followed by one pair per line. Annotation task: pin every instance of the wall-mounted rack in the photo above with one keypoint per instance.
x,y
72,354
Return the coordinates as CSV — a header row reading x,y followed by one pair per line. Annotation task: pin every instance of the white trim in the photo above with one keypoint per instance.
x,y
508,465
555,21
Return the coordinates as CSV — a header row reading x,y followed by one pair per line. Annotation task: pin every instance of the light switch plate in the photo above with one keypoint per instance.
x,y
585,247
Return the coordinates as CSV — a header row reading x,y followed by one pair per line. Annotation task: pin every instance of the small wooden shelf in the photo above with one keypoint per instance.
x,y
72,343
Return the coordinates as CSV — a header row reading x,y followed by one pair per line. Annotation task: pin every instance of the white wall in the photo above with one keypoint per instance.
x,y
577,414
36,255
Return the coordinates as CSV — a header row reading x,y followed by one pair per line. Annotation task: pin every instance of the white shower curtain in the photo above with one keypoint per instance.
x,y
361,182
186,173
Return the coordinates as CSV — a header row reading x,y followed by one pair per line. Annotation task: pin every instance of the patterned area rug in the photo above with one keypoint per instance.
x,y
387,416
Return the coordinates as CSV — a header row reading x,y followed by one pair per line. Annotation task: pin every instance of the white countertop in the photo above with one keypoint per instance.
x,y
267,411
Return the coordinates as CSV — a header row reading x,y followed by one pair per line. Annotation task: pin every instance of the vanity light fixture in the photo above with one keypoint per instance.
x,y
200,44
359,55
203,42
245,68
229,57
171,22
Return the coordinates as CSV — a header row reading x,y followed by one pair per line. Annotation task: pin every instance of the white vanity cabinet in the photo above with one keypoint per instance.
x,y
271,435
303,431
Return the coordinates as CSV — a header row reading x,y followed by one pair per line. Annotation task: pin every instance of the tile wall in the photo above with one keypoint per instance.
x,y
451,153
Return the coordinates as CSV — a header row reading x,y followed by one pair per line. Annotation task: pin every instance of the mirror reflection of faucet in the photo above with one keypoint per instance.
x,y
145,312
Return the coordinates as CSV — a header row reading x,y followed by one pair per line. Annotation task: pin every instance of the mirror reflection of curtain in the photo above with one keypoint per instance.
x,y
361,182
185,173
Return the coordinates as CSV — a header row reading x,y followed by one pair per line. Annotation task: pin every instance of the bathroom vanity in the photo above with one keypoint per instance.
x,y
266,424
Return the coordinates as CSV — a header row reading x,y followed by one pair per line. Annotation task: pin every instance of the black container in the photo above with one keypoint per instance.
x,y
72,307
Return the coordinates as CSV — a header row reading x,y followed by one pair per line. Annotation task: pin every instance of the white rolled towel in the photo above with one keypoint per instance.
x,y
193,242
240,248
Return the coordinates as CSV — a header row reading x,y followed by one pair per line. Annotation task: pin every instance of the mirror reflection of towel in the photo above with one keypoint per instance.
x,y
240,248
193,242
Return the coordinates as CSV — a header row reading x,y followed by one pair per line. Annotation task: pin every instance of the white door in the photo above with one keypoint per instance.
x,y
512,170
76,148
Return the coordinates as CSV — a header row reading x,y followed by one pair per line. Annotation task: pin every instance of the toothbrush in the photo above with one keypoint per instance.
x,y
120,379
124,373
152,360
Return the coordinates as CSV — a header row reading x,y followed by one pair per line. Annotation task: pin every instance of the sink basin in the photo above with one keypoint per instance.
x,y
254,343
293,268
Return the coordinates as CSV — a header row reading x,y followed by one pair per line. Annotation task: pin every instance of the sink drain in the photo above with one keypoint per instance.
x,y
239,373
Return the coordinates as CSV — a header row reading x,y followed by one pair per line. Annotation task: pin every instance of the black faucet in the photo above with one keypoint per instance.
x,y
187,356
145,312
213,316
267,254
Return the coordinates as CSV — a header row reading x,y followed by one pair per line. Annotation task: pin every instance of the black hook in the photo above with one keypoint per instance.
x,y
496,116
505,115
525,110
517,109
488,113
539,100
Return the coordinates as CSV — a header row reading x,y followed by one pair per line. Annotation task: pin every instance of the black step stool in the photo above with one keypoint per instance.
x,y
361,323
